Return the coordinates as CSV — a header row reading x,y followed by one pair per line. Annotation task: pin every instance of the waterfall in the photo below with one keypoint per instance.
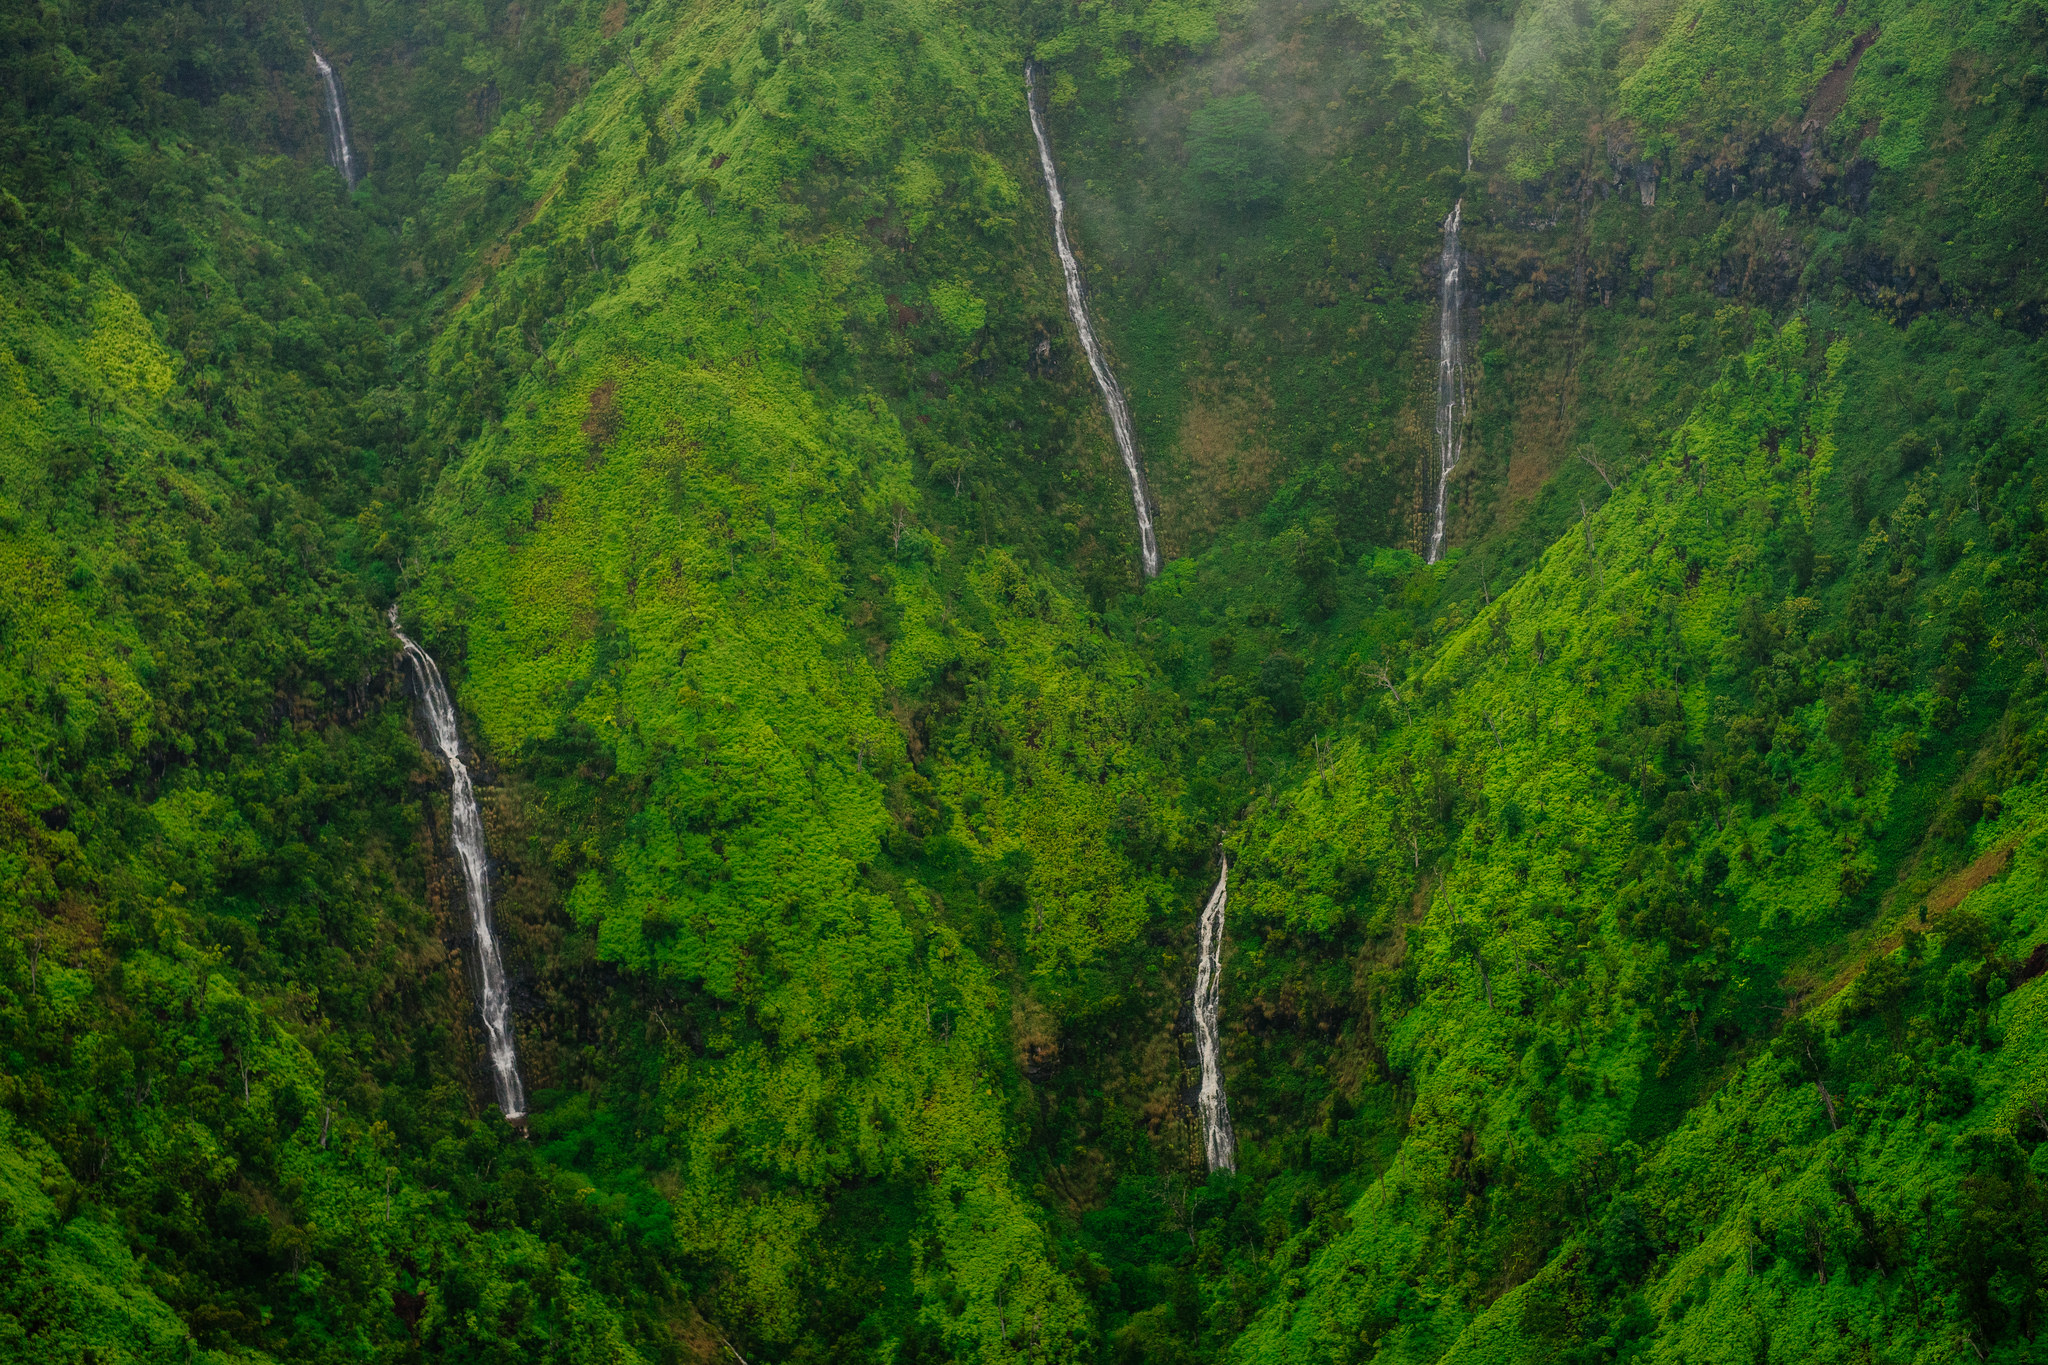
x,y
493,996
1077,305
340,155
1219,1143
1450,377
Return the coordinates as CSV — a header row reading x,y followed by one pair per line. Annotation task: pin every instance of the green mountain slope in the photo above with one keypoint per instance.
x,y
1712,961
1635,940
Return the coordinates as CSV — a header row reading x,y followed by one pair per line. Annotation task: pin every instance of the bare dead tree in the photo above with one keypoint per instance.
x,y
2027,635
1378,672
241,1065
1829,1101
722,1340
1585,453
1405,829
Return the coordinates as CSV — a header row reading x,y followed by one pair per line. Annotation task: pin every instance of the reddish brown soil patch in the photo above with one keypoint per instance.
x,y
1833,91
601,423
1224,467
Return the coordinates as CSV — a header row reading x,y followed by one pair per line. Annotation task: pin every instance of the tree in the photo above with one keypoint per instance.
x,y
1315,555
1231,157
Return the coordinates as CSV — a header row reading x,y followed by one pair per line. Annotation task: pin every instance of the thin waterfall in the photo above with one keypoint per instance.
x,y
1219,1143
340,155
1077,305
1451,410
493,996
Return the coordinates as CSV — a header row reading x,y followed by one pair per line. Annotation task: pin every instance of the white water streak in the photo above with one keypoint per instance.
x,y
339,154
1077,305
494,995
1451,408
1219,1142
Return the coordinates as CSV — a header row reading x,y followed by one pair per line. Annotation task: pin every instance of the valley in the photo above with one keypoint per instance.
x,y
1148,682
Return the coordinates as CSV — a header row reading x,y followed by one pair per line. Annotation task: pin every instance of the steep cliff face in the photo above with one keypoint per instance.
x,y
1633,938
1712,937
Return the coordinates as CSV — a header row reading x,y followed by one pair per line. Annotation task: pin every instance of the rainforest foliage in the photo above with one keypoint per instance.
x,y
1638,920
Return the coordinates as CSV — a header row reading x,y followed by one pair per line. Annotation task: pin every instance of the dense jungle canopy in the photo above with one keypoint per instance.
x,y
1637,934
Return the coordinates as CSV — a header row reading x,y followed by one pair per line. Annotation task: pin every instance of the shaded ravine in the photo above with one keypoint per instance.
x,y
340,155
1450,377
493,994
1219,1142
1077,305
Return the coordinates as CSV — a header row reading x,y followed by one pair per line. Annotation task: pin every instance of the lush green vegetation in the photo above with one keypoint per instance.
x,y
1637,930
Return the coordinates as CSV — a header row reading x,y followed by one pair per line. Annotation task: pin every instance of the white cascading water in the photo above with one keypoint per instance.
x,y
1219,1143
1077,304
494,996
339,154
1450,377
